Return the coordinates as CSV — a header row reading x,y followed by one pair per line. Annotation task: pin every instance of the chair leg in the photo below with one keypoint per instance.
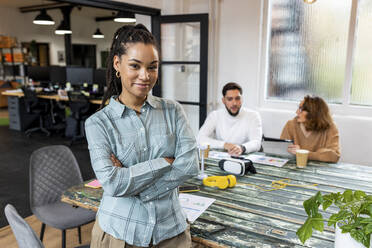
x,y
42,231
64,238
41,126
31,130
79,232
44,130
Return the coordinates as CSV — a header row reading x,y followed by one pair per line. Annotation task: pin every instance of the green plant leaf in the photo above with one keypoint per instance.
x,y
366,220
327,201
369,197
312,204
309,205
358,194
366,208
369,209
305,231
359,236
348,227
318,223
368,229
348,196
333,219
341,215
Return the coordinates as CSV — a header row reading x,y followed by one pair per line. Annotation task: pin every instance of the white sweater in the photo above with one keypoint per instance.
x,y
243,129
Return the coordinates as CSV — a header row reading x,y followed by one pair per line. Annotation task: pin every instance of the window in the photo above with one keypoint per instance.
x,y
361,89
322,49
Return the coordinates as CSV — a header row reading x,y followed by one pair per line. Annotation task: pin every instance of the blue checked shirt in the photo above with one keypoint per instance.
x,y
140,201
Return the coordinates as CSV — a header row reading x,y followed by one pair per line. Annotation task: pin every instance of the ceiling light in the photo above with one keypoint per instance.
x,y
125,16
63,29
309,1
43,18
98,34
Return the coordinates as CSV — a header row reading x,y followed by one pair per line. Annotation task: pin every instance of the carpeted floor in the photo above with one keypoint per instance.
x,y
4,121
15,152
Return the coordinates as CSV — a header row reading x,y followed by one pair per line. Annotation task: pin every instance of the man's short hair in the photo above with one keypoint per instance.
x,y
231,86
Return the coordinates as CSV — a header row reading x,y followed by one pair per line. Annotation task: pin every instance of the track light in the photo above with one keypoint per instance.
x,y
125,16
43,18
98,34
63,29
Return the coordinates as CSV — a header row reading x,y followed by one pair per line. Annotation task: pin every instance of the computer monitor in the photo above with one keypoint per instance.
x,y
100,79
38,73
57,74
79,75
100,76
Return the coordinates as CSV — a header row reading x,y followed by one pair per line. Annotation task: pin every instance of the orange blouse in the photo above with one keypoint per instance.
x,y
323,145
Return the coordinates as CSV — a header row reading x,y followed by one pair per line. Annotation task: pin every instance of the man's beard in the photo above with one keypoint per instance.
x,y
231,113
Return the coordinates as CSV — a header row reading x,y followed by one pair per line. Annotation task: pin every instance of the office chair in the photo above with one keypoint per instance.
x,y
80,106
54,169
24,234
34,106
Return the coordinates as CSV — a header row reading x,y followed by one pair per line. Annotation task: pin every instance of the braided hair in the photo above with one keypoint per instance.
x,y
122,37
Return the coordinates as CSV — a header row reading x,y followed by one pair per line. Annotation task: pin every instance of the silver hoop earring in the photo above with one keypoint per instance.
x,y
117,74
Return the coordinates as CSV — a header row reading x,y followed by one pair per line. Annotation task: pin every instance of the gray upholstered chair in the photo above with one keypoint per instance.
x,y
25,236
53,169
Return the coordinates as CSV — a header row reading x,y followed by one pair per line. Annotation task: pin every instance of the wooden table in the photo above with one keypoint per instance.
x,y
50,97
245,216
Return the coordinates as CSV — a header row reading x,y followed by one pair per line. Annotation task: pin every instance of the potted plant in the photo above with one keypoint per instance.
x,y
354,216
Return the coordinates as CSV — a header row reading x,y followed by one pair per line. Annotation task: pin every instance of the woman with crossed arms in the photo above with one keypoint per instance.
x,y
141,148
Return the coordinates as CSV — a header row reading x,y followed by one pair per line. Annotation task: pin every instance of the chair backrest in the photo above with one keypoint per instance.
x,y
30,98
53,169
25,236
78,103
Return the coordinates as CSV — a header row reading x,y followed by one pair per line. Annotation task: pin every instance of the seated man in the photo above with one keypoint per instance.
x,y
236,129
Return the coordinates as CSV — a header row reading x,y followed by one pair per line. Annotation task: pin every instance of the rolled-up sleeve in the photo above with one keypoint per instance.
x,y
119,181
254,133
185,164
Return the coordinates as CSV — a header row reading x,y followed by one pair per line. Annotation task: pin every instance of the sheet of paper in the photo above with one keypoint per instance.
x,y
94,184
261,159
218,155
194,205
14,91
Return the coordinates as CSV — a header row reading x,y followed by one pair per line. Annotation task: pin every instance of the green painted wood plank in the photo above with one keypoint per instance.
x,y
261,231
283,223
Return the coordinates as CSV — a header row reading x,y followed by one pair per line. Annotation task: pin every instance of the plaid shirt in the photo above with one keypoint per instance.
x,y
140,201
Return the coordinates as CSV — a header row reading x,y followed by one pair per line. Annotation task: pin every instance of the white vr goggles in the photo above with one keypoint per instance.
x,y
238,167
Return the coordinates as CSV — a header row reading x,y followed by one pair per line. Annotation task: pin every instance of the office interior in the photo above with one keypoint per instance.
x,y
238,44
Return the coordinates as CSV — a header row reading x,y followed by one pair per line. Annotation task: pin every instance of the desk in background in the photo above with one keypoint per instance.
x,y
51,97
18,118
245,216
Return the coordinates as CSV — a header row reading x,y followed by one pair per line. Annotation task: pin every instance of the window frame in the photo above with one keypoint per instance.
x,y
344,108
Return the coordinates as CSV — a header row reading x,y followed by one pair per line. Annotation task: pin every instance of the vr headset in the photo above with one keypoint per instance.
x,y
238,167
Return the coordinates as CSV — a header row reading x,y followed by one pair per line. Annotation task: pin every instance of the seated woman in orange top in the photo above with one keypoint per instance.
x,y
313,129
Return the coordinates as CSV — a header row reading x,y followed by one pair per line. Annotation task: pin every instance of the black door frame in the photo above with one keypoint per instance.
x,y
156,21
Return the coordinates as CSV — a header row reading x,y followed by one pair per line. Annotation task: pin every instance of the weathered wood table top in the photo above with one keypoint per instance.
x,y
248,216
